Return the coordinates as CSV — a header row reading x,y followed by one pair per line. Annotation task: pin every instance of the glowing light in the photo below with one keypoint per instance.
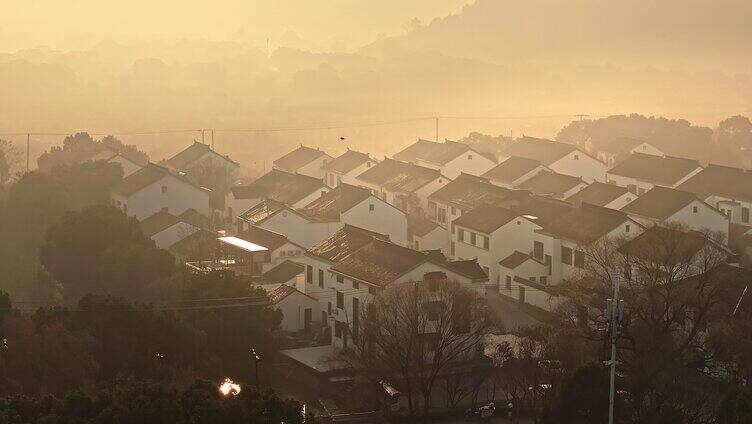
x,y
229,388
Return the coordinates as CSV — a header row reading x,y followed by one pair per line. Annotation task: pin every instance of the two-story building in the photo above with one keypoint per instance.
x,y
450,157
404,185
280,218
201,156
664,205
602,194
294,190
345,167
563,158
357,206
728,189
128,162
641,172
304,160
154,188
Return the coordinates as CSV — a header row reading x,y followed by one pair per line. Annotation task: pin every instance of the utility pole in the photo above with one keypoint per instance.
x,y
614,312
202,136
437,128
256,359
212,138
28,144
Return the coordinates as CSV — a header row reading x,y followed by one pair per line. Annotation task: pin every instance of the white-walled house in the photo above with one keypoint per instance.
x,y
399,183
602,194
560,246
287,272
345,167
200,155
424,234
489,233
129,164
641,172
358,207
563,158
304,160
380,263
728,189
450,157
294,190
514,171
166,229
623,147
154,188
663,205
279,247
553,184
280,218
299,311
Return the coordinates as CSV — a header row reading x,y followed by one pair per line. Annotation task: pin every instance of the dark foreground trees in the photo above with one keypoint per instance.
x,y
130,402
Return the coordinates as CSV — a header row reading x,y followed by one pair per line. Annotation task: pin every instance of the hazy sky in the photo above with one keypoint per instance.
x,y
80,24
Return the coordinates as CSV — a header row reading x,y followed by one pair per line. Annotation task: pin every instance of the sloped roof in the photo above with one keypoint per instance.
x,y
598,193
486,218
195,218
142,178
432,152
552,183
197,246
420,226
512,169
659,242
282,273
586,223
399,176
265,238
468,267
379,262
540,149
190,154
158,222
262,211
279,185
468,191
516,259
298,158
344,242
540,209
282,292
727,181
667,170
659,203
347,161
341,199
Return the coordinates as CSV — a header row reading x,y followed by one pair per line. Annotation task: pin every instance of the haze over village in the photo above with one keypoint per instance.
x,y
417,211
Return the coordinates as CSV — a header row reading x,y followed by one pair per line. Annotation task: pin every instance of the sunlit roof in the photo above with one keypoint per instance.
x,y
242,244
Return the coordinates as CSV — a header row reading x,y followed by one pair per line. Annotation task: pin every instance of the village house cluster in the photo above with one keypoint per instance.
x,y
323,234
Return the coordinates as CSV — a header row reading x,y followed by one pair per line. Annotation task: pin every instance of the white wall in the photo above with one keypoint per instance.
x,y
314,168
128,166
286,251
298,229
621,201
383,219
736,211
436,239
428,189
171,235
640,187
293,311
581,165
470,162
521,179
150,200
705,218
349,177
647,149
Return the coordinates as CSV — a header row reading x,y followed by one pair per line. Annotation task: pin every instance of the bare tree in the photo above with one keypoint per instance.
x,y
413,333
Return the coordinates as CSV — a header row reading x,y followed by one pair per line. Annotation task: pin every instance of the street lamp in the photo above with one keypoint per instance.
x,y
256,360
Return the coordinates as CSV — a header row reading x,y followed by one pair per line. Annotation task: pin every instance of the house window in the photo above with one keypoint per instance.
x,y
472,239
538,249
632,188
626,228
579,259
469,157
371,290
576,157
368,164
454,211
532,279
485,242
461,234
543,280
356,285
323,192
432,210
164,189
745,215
442,215
340,279
370,207
694,209
329,308
509,282
566,255
340,300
